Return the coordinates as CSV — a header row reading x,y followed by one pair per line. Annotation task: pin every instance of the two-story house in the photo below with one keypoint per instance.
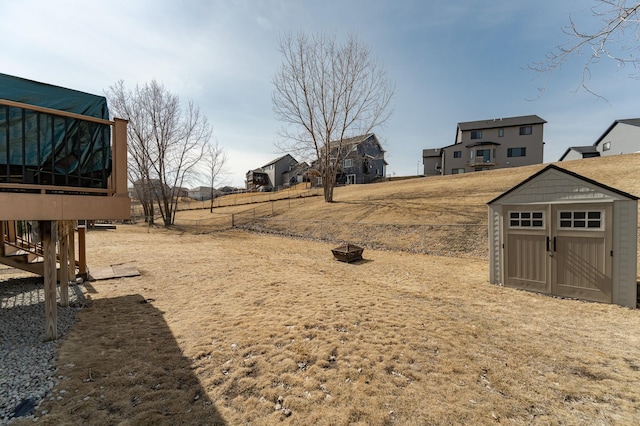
x,y
270,175
363,160
622,137
489,144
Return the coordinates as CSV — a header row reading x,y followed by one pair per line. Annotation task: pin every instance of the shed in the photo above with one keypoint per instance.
x,y
563,234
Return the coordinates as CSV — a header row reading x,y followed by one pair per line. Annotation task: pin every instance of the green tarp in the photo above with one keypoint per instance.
x,y
48,149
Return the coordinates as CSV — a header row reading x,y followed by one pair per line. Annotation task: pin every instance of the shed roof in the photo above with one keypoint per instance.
x,y
552,167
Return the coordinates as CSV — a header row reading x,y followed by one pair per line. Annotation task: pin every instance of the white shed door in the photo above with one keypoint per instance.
x,y
563,250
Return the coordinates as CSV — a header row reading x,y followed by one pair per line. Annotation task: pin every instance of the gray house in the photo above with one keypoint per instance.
x,y
363,161
203,193
622,137
271,174
487,145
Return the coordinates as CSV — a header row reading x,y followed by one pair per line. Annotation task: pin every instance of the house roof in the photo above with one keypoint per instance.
x,y
629,121
431,152
481,143
590,149
501,122
570,173
357,140
279,159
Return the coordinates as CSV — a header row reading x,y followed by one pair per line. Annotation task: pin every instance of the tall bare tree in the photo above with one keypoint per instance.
x,y
617,38
166,143
216,159
326,92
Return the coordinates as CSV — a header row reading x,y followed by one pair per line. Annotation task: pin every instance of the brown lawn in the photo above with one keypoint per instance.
x,y
240,328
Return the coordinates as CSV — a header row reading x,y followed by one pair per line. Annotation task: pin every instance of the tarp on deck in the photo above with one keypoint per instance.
x,y
48,149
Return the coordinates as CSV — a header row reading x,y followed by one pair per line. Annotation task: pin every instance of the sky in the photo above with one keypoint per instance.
x,y
450,61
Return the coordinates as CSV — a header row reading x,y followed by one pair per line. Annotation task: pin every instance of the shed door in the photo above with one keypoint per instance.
x,y
563,250
581,262
526,263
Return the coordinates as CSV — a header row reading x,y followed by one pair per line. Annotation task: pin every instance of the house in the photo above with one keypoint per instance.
x,y
203,193
362,160
622,137
62,160
181,192
563,234
271,174
143,189
487,145
432,161
296,174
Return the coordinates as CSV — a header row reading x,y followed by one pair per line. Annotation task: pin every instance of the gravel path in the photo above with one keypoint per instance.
x,y
27,362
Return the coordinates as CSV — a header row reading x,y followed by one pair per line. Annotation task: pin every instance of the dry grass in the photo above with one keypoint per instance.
x,y
255,329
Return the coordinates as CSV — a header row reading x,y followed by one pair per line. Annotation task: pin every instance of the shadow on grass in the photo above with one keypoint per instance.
x,y
121,363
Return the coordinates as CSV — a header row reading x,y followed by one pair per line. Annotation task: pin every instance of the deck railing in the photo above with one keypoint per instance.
x,y
43,150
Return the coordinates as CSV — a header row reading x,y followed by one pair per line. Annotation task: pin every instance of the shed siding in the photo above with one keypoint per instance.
x,y
555,187
495,258
625,253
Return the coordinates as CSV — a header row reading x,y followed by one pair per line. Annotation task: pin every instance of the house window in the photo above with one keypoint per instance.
x,y
533,219
606,146
348,163
500,133
485,154
457,154
517,152
476,134
588,220
458,171
526,130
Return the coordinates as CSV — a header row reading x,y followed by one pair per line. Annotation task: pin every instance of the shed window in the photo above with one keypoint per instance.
x,y
588,220
532,219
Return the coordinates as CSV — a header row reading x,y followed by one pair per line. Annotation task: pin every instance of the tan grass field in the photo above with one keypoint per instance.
x,y
240,328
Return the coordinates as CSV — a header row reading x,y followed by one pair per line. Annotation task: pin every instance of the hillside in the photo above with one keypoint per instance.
x,y
434,200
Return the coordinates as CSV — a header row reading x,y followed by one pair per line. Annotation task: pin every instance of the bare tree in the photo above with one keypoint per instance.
x,y
326,92
616,38
216,158
165,143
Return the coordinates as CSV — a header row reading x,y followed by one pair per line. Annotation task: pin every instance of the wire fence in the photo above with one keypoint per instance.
x,y
263,215
456,240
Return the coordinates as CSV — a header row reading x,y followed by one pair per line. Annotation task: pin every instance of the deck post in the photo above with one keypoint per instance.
x,y
82,256
48,232
2,236
72,251
63,244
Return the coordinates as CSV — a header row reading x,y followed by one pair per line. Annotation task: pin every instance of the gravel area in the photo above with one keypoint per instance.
x,y
27,362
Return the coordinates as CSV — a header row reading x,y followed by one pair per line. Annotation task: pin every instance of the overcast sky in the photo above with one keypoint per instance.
x,y
450,61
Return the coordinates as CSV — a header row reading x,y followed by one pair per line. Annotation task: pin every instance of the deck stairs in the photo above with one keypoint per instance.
x,y
19,249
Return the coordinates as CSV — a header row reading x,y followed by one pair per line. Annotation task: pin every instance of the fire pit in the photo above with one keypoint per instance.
x,y
347,253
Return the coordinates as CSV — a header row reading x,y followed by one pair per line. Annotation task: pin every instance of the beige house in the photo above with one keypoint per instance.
x,y
61,160
562,234
489,144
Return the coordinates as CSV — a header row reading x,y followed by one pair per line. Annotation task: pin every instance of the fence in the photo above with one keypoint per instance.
x,y
457,240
